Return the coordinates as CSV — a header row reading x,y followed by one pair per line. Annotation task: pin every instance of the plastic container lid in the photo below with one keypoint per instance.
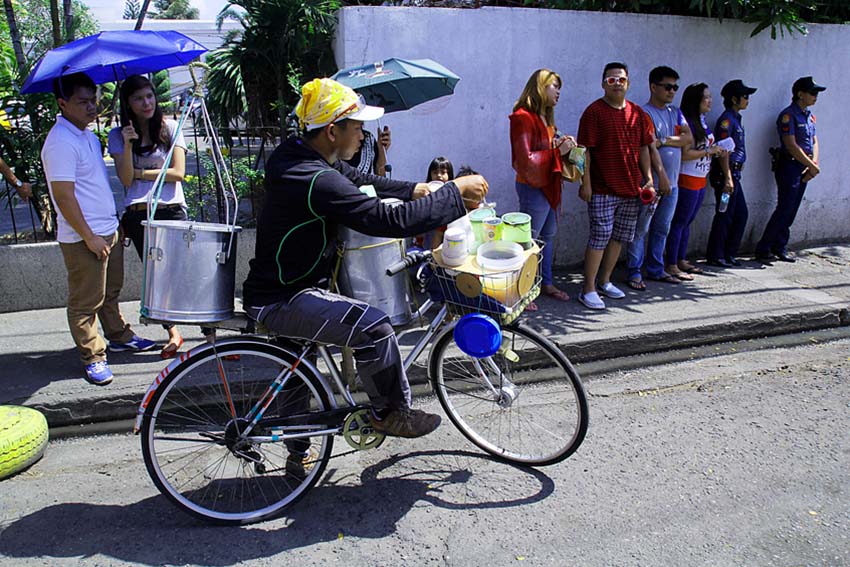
x,y
516,218
500,256
478,335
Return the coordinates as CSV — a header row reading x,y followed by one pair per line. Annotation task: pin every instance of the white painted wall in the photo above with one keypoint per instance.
x,y
494,50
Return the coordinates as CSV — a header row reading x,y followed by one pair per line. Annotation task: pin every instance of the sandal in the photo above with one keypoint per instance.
x,y
637,284
683,276
556,293
691,269
171,349
666,278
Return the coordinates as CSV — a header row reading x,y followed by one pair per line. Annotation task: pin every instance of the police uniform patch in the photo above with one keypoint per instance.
x,y
724,124
786,118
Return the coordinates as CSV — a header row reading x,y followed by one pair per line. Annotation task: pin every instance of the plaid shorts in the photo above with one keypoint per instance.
x,y
611,217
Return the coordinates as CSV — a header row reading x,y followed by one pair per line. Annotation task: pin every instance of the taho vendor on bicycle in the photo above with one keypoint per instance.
x,y
310,191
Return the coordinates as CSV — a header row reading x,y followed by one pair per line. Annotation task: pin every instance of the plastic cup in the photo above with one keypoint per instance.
x,y
477,218
492,229
647,194
517,228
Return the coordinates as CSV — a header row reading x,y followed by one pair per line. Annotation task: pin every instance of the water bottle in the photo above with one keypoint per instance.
x,y
724,202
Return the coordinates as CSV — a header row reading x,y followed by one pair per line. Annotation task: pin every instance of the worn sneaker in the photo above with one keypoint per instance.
x,y
591,300
406,423
137,344
98,373
610,290
299,465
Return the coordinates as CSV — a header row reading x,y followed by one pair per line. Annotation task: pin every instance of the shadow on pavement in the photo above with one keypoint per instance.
x,y
153,532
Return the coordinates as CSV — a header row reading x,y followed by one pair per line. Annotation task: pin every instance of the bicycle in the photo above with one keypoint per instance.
x,y
237,431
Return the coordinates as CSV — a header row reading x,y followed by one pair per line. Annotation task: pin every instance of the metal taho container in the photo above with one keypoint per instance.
x,y
190,271
362,272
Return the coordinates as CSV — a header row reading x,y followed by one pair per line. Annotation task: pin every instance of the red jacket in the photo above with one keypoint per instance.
x,y
532,156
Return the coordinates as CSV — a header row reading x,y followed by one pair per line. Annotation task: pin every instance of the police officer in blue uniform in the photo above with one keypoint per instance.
x,y
727,228
796,165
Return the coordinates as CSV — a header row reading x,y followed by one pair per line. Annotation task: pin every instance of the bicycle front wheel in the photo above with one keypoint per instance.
x,y
525,404
194,442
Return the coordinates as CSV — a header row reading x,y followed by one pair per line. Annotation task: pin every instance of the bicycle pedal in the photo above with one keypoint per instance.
x,y
359,433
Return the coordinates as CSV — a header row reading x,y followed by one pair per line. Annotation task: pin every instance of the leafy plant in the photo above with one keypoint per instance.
x,y
200,190
280,41
132,9
779,16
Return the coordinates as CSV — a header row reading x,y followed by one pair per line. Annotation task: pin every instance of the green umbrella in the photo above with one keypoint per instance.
x,y
399,84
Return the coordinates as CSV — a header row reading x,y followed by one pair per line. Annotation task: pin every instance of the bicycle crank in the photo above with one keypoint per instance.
x,y
358,432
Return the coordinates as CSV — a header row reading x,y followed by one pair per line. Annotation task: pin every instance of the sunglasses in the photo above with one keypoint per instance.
x,y
668,86
746,96
616,80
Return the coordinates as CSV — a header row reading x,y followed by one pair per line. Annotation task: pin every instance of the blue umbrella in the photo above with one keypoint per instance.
x,y
399,84
113,56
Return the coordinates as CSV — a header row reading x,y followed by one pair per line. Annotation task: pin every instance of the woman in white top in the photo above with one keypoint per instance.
x,y
696,162
139,147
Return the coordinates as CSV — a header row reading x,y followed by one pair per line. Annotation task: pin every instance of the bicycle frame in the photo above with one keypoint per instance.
x,y
335,385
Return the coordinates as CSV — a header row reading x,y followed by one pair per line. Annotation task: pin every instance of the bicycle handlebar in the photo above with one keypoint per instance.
x,y
410,259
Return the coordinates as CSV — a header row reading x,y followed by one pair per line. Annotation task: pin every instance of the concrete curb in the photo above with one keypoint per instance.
x,y
688,337
105,405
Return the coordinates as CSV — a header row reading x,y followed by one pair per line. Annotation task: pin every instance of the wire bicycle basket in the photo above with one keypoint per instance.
x,y
503,295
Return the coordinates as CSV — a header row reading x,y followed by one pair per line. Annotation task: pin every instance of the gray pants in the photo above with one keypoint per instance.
x,y
334,319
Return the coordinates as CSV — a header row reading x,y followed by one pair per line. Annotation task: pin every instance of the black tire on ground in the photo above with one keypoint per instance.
x,y
23,438
541,415
191,411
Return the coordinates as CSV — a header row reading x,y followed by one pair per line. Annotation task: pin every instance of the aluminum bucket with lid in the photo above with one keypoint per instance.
x,y
362,272
190,271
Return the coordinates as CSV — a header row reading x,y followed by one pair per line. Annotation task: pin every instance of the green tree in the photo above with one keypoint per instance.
x,y
175,10
31,116
260,68
131,9
779,16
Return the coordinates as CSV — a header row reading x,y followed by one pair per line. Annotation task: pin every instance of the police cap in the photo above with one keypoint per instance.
x,y
736,87
806,84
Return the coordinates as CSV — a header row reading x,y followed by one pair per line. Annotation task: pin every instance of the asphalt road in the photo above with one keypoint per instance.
x,y
736,459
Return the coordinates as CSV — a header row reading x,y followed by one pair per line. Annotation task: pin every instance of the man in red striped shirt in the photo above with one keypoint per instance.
x,y
617,134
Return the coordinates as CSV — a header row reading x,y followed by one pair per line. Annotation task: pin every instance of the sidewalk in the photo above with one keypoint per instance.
x,y
39,365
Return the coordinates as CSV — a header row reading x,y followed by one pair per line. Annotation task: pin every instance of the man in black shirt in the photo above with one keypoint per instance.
x,y
310,192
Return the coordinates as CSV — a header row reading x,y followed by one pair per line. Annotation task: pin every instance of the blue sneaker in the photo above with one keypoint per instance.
x,y
98,373
137,344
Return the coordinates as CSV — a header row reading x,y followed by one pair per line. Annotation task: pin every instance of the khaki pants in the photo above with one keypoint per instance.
x,y
93,289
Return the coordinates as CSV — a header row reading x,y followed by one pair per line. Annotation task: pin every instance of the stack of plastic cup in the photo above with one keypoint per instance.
x,y
454,249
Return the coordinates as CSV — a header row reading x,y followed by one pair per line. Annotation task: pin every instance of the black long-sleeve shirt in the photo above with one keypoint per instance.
x,y
307,199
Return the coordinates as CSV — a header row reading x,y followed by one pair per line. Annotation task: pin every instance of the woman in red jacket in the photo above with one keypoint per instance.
x,y
536,150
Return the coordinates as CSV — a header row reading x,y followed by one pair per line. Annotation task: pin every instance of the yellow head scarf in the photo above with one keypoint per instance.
x,y
324,101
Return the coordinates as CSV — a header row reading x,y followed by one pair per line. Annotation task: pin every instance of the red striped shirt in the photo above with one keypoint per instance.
x,y
614,138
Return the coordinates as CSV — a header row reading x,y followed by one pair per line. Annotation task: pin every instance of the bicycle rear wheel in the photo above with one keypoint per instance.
x,y
532,410
192,440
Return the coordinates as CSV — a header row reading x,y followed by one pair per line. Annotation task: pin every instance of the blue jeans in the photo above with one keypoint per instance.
x,y
652,227
544,223
687,208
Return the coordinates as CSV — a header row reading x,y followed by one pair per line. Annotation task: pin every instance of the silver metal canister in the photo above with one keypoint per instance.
x,y
362,273
190,271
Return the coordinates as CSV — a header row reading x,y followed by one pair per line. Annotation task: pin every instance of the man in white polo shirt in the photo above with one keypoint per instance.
x,y
87,228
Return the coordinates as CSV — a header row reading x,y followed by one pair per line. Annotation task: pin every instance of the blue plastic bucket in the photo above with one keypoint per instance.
x,y
478,335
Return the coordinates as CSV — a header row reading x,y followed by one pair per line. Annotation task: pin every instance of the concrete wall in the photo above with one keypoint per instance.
x,y
34,276
494,50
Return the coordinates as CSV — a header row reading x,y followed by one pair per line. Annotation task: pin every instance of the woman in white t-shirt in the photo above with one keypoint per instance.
x,y
139,147
696,162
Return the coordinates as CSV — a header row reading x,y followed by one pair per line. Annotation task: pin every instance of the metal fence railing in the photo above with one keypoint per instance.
x,y
246,151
